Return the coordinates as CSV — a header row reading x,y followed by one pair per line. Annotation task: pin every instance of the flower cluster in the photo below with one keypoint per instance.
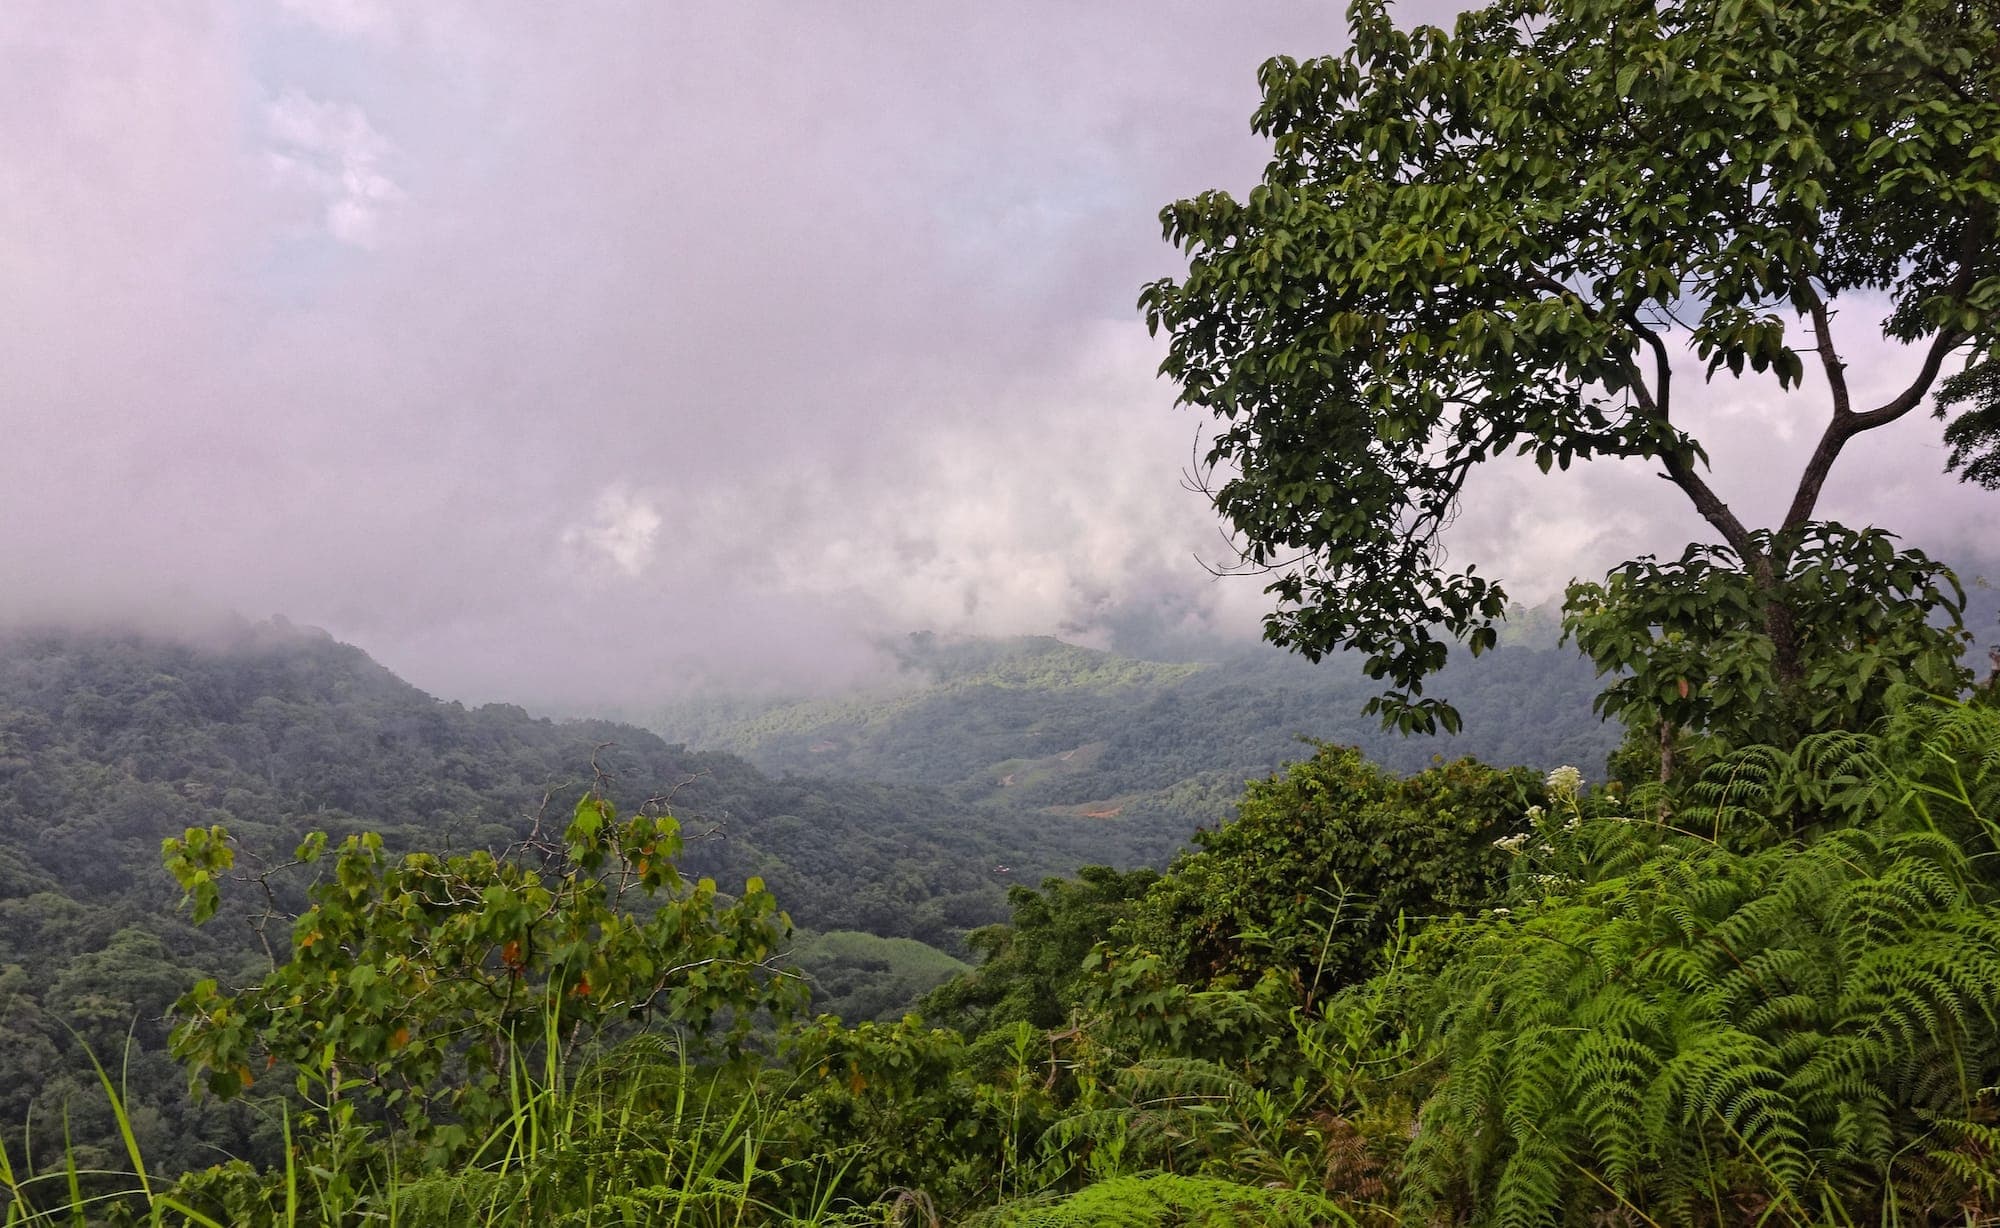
x,y
1565,783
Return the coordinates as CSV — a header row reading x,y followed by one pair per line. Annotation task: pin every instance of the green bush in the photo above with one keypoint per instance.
x,y
1309,881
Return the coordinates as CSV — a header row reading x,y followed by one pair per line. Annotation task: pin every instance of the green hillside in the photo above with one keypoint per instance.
x,y
111,742
1037,727
864,976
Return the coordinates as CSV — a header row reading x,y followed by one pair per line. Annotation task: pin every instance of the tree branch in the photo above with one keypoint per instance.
x,y
1846,424
1709,504
1942,345
1806,496
1679,463
1663,369
1829,358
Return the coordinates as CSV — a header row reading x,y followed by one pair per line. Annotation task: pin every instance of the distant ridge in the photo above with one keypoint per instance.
x,y
1034,725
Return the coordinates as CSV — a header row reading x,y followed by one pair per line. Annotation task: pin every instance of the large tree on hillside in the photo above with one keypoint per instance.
x,y
1495,240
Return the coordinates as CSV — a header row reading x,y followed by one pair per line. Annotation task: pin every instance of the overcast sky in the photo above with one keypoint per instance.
x,y
551,352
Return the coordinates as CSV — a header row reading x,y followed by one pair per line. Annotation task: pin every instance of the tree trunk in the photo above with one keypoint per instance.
x,y
1781,628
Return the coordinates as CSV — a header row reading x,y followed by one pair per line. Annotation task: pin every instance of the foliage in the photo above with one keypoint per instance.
x,y
1802,1031
860,976
1973,435
1766,996
111,742
639,1136
907,1109
419,988
642,1137
1032,968
1163,1199
1138,1008
1493,239
1310,880
1794,952
1689,649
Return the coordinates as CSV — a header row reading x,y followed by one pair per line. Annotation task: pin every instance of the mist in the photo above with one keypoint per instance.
x,y
559,356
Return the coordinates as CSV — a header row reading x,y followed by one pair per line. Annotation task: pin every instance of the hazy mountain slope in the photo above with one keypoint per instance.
x,y
110,742
1040,727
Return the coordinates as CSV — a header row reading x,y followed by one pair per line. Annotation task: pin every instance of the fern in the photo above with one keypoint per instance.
x,y
1798,1025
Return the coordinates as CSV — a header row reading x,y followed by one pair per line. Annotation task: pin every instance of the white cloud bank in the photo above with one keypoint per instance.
x,y
559,354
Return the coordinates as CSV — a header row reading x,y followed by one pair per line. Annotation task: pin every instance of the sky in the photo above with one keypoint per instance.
x,y
557,354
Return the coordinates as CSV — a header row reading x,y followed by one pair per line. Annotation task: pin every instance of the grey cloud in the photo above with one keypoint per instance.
x,y
554,356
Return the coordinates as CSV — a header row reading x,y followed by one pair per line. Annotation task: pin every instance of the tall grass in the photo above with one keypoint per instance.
x,y
29,1205
640,1137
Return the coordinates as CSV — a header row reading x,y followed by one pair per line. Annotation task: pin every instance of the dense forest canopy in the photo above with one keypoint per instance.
x,y
110,742
1036,726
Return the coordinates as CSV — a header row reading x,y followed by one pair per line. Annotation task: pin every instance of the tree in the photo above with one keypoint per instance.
x,y
1694,667
1324,863
1494,239
1032,967
426,988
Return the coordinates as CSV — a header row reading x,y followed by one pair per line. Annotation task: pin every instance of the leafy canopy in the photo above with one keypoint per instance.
x,y
1687,639
1324,863
1493,239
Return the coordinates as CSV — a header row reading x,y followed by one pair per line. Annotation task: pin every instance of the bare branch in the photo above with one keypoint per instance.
x,y
1829,358
1659,404
1909,398
1972,243
1708,503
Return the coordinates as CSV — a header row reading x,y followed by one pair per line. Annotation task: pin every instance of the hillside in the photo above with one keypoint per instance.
x,y
1038,728
110,742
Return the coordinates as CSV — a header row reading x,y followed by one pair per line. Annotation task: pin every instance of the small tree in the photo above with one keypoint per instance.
x,y
423,989
1323,864
1491,239
1031,968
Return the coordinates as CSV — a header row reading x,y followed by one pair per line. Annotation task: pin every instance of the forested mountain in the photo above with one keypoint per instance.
x,y
111,742
1038,727
900,819
999,762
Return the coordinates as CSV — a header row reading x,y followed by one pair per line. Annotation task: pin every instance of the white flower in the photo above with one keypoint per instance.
x,y
1511,843
1565,781
1534,814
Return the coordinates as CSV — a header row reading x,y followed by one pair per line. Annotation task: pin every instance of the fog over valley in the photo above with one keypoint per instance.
x,y
578,359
